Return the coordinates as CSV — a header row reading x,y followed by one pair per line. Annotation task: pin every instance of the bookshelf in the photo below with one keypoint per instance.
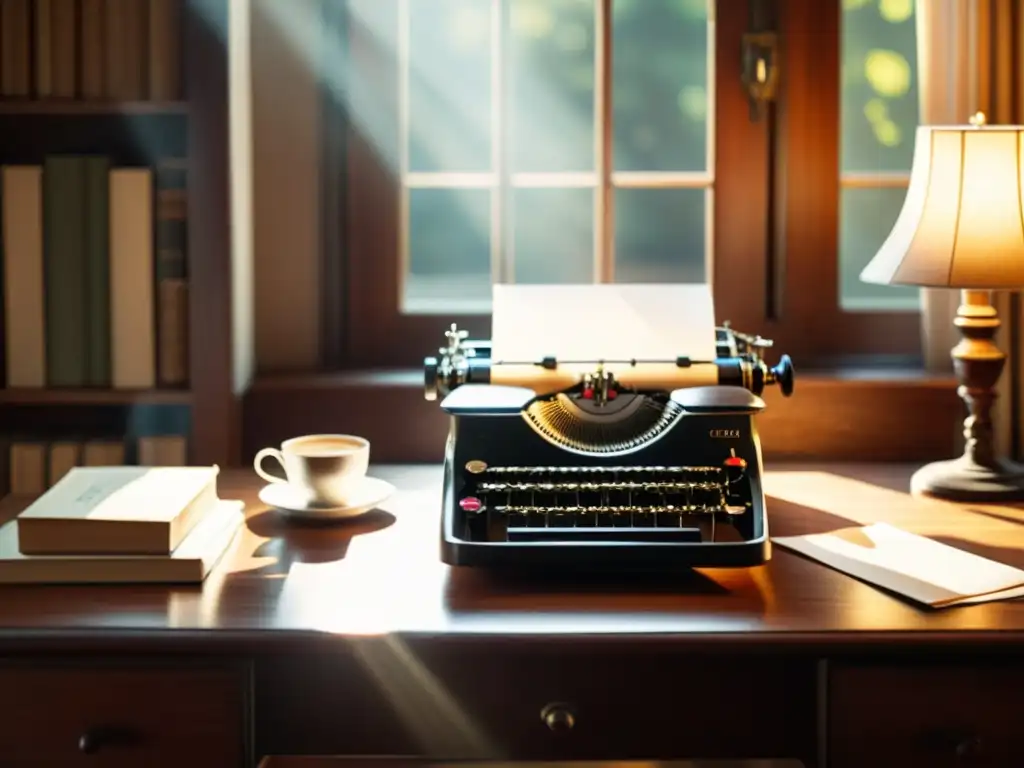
x,y
31,107
188,131
89,396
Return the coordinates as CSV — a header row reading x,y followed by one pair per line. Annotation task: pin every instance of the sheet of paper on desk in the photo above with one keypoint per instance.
x,y
914,566
602,322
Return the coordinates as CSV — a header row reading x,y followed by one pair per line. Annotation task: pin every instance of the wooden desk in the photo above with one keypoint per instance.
x,y
356,640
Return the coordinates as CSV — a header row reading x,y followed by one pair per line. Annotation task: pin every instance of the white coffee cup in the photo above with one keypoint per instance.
x,y
325,470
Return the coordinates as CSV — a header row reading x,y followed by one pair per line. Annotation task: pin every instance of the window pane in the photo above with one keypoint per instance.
x,y
879,85
659,235
552,85
660,84
866,216
554,235
449,249
449,85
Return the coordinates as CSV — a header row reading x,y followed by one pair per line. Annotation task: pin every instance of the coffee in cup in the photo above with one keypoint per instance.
x,y
325,470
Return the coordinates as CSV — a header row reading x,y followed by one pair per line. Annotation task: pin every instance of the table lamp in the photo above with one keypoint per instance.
x,y
962,226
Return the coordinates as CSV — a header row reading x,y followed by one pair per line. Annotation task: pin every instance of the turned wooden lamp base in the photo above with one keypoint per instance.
x,y
962,480
978,475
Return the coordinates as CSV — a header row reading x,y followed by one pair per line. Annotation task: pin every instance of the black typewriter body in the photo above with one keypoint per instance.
x,y
633,480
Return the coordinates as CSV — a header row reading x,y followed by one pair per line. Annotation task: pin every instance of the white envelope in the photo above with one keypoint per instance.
x,y
913,566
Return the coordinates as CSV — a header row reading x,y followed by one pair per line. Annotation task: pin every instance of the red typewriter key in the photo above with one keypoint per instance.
x,y
736,461
470,504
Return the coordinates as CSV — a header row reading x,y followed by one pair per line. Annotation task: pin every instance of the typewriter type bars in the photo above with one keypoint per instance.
x,y
552,503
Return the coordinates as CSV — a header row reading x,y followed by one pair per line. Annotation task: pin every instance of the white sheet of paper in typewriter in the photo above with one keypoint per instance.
x,y
602,322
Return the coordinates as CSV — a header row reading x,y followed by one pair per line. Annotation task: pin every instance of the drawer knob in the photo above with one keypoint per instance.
x,y
94,739
89,742
969,747
558,717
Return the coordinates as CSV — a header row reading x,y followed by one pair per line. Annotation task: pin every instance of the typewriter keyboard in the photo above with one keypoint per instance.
x,y
580,498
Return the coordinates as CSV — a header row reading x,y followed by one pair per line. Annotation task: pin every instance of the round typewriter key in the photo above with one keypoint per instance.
x,y
476,466
470,504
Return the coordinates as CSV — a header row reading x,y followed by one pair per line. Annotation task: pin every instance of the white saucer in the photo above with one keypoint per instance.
x,y
283,497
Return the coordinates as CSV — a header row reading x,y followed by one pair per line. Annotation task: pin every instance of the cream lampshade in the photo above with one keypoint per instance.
x,y
962,226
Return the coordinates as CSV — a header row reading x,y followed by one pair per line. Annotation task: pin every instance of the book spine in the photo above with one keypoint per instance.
x,y
3,278
5,463
131,279
24,302
63,456
15,48
43,13
66,273
103,453
172,219
164,50
162,451
172,344
134,47
171,267
172,202
28,469
115,30
97,257
92,62
65,48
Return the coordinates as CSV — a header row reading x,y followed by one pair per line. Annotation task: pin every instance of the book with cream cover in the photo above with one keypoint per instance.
x,y
118,511
190,563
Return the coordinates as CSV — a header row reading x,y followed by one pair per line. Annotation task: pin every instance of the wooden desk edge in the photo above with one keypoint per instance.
x,y
216,642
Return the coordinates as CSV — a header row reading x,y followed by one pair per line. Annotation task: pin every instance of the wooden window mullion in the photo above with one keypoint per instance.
x,y
604,195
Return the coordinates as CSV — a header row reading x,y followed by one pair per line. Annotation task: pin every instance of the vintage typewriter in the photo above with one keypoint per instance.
x,y
634,464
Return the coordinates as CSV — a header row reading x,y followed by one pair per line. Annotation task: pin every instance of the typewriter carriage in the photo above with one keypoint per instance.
x,y
463,361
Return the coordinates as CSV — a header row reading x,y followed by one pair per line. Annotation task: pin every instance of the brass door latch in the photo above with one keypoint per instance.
x,y
760,70
760,66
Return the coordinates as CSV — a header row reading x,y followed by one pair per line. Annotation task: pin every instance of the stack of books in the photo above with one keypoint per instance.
x,y
103,525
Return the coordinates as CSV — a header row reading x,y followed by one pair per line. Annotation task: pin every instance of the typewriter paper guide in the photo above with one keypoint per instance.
x,y
602,322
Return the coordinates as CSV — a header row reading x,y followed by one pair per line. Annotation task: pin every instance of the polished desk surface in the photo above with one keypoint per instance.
x,y
381,575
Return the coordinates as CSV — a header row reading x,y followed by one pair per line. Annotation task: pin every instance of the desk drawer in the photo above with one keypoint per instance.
x,y
603,703
925,715
121,716
537,701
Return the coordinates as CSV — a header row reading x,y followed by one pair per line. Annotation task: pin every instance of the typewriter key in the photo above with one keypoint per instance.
x,y
475,466
471,504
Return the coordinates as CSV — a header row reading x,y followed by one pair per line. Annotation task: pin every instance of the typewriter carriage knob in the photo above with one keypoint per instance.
x,y
442,374
750,347
783,374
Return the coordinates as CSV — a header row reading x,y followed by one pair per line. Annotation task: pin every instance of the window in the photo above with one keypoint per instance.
x,y
578,140
538,146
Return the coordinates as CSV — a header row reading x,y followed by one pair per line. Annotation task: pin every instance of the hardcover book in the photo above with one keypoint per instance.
x,y
118,511
191,562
